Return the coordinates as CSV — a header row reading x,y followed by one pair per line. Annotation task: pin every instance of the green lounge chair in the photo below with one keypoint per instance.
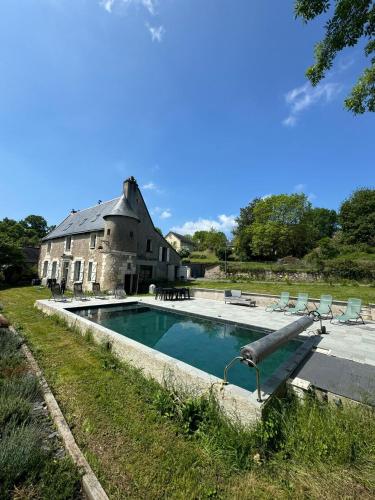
x,y
324,310
351,314
300,306
281,305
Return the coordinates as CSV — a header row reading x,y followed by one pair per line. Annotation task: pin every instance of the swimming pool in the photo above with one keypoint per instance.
x,y
203,343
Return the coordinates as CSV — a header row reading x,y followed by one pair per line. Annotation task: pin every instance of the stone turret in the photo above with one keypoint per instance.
x,y
121,224
121,236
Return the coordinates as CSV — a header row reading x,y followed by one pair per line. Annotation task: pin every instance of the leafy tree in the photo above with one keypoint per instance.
x,y
200,240
351,21
357,217
242,233
323,223
280,227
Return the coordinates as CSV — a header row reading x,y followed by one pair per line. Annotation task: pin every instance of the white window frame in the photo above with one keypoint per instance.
x,y
45,269
81,270
56,270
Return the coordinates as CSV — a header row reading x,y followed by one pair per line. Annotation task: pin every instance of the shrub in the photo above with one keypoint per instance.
x,y
349,269
60,480
21,456
13,409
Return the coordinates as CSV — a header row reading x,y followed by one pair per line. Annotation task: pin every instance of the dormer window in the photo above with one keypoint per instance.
x,y
93,240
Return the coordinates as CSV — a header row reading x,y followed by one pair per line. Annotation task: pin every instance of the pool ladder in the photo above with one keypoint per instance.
x,y
250,364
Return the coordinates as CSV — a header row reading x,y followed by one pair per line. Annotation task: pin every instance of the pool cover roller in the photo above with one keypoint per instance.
x,y
258,350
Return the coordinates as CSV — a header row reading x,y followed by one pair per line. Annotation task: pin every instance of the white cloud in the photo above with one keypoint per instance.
x,y
301,98
165,214
150,186
225,223
299,188
290,121
157,32
150,5
265,196
107,5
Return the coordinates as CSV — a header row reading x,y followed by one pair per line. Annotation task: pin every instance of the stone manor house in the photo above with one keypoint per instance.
x,y
114,242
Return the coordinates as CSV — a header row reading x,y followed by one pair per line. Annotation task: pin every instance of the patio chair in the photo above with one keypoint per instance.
x,y
300,306
96,291
281,305
235,297
120,291
325,307
57,296
78,292
351,314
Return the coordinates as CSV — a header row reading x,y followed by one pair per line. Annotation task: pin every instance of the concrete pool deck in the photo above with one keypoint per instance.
x,y
355,343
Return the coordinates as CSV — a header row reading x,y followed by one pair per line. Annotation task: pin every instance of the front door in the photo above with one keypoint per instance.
x,y
128,283
65,270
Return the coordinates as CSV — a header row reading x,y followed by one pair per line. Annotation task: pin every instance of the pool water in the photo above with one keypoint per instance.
x,y
205,344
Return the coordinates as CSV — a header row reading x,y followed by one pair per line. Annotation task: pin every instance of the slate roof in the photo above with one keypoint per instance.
x,y
84,221
123,209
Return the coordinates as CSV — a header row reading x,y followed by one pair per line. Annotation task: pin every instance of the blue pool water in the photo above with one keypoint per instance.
x,y
205,344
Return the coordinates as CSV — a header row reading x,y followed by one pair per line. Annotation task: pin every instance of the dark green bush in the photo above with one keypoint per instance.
x,y
349,269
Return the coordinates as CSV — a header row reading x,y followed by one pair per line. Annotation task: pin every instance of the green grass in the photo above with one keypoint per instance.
x,y
145,441
315,290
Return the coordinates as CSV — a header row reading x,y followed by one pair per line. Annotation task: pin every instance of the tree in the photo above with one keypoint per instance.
x,y
357,217
323,223
280,227
351,21
242,233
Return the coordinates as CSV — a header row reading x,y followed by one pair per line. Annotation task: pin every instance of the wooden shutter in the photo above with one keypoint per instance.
x,y
168,254
81,271
160,254
73,264
93,272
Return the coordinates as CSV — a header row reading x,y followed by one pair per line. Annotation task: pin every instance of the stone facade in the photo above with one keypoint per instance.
x,y
118,244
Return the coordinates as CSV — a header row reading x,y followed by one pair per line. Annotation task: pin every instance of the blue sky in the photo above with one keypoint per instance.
x,y
203,101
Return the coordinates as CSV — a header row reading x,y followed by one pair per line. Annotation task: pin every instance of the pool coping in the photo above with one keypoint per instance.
x,y
238,403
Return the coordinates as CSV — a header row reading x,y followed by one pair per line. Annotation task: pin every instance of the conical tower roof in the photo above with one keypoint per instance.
x,y
123,209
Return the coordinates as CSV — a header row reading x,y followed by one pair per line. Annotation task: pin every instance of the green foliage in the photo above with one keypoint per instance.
x,y
279,227
315,432
60,480
322,223
351,21
357,217
184,253
349,269
13,236
209,240
20,455
14,410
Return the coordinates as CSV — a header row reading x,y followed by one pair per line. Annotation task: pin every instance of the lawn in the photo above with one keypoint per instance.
x,y
338,291
144,443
